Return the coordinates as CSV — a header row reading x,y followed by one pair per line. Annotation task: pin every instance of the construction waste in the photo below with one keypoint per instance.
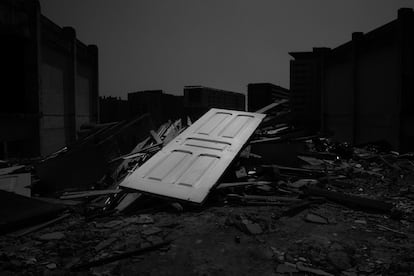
x,y
234,193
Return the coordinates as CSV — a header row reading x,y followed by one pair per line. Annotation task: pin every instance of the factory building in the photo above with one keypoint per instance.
x,y
199,99
112,109
48,81
162,107
261,94
306,75
365,87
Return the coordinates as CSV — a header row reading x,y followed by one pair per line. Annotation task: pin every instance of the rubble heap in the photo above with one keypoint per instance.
x,y
285,204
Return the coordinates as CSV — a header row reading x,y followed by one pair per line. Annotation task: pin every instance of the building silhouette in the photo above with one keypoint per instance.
x,y
112,109
172,107
199,99
262,94
48,79
362,90
306,76
162,107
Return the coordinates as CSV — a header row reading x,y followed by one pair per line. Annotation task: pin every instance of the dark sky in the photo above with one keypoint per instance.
x,y
226,44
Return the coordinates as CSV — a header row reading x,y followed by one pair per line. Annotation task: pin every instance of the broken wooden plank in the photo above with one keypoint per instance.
x,y
124,163
238,184
66,202
302,267
140,145
29,230
265,140
155,137
138,153
9,170
271,198
163,128
319,155
104,244
393,166
262,203
311,160
276,131
271,106
170,136
355,202
84,194
127,201
382,227
296,171
245,200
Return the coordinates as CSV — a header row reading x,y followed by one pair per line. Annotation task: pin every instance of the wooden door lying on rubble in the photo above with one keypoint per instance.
x,y
191,164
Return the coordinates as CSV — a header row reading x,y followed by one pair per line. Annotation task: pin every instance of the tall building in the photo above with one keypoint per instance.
x,y
172,107
199,99
162,107
262,94
306,76
48,79
148,101
366,85
112,109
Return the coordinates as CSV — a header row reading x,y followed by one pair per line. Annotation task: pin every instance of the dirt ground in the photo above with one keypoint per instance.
x,y
212,241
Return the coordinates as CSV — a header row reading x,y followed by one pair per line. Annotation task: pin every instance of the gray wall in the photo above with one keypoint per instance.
x,y
338,100
55,77
377,102
84,79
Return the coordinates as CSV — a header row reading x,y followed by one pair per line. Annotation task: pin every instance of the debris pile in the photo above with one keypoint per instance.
x,y
232,193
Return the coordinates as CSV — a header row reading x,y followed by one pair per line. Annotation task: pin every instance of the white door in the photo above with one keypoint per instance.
x,y
191,164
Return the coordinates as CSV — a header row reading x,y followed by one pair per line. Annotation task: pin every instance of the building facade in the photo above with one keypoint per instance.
x,y
306,76
199,99
112,109
49,82
262,94
366,85
162,107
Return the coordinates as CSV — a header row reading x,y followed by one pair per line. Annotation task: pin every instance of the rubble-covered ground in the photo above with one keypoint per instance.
x,y
208,243
228,237
335,210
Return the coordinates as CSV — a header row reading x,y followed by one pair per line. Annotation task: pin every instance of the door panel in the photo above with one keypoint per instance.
x,y
191,164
